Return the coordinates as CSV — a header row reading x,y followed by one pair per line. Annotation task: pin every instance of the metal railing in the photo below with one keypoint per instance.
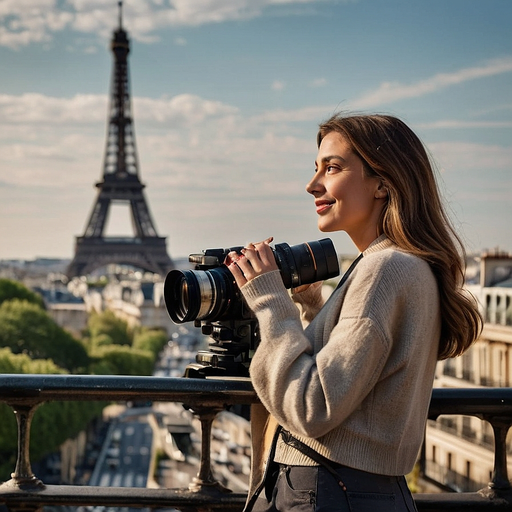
x,y
207,398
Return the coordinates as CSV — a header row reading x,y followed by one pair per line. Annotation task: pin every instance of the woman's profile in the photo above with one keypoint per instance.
x,y
344,400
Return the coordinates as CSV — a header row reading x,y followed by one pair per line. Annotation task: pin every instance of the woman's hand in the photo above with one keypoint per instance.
x,y
301,288
255,260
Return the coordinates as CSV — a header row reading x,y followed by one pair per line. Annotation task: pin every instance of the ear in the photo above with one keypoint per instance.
x,y
381,191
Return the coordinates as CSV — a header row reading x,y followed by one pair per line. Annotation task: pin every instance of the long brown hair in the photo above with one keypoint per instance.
x,y
414,217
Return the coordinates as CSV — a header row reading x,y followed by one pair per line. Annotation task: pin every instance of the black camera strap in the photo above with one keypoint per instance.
x,y
288,438
349,271
292,441
344,277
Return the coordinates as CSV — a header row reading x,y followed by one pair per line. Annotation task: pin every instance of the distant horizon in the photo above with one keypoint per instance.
x,y
226,100
185,258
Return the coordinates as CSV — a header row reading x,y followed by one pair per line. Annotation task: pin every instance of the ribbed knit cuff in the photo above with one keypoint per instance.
x,y
268,291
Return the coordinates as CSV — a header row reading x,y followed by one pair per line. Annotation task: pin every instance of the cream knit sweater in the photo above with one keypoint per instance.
x,y
355,385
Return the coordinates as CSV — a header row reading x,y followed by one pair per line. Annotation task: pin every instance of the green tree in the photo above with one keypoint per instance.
x,y
107,323
27,329
102,340
152,340
21,363
118,360
53,422
17,363
10,289
8,441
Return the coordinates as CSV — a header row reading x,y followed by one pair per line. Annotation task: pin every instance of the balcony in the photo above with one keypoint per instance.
x,y
207,398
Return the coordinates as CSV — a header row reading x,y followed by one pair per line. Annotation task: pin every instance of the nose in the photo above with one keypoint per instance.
x,y
315,184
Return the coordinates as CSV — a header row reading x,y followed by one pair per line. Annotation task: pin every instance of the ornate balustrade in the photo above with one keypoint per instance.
x,y
206,398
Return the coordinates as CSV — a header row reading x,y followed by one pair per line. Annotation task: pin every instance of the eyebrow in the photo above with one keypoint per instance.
x,y
327,159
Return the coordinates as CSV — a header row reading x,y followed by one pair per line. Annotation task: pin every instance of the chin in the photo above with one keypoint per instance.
x,y
327,229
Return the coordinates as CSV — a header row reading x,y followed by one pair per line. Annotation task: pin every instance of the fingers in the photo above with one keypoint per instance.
x,y
255,259
260,257
236,271
259,252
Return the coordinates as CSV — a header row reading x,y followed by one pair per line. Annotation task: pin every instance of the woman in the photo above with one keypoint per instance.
x,y
351,392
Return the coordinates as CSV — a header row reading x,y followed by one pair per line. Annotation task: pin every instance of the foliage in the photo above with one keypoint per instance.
x,y
118,360
27,329
99,283
107,323
102,340
152,340
53,422
21,363
10,289
31,342
8,441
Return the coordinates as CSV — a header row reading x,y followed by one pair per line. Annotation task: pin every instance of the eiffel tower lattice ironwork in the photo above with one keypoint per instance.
x,y
121,184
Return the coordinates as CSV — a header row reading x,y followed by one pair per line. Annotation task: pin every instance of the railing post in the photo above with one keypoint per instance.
x,y
500,480
204,480
23,477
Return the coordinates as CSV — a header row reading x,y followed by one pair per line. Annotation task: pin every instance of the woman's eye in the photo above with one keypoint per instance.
x,y
331,168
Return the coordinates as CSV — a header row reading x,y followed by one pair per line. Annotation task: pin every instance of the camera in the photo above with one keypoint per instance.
x,y
209,296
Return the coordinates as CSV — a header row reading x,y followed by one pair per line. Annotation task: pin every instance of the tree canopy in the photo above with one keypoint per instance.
x,y
152,340
31,342
21,363
118,360
10,289
107,323
53,422
27,329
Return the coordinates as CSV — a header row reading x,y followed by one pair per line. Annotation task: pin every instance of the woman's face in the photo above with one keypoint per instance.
x,y
345,199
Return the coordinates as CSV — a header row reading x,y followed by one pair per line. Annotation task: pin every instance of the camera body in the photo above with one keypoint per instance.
x,y
209,296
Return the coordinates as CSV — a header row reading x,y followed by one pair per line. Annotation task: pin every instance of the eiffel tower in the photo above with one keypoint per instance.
x,y
121,184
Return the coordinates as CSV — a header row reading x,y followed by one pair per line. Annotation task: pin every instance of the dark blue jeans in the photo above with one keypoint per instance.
x,y
314,489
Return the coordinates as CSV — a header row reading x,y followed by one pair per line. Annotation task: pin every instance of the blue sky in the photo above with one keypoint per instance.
x,y
227,96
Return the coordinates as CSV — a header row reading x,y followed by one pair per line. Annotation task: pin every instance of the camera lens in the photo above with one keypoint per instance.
x,y
307,262
198,295
213,295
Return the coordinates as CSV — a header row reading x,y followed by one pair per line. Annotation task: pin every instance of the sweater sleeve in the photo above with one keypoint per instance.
x,y
310,391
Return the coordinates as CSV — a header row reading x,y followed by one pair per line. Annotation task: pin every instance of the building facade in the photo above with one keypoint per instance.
x,y
459,450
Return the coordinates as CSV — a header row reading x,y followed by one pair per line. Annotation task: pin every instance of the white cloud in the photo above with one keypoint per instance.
x,y
9,7
215,176
46,140
278,85
389,92
27,21
464,156
319,82
16,39
31,21
188,108
180,41
203,161
455,123
309,114
38,108
91,49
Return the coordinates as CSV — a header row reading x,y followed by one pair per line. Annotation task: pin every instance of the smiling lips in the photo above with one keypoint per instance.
x,y
322,206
